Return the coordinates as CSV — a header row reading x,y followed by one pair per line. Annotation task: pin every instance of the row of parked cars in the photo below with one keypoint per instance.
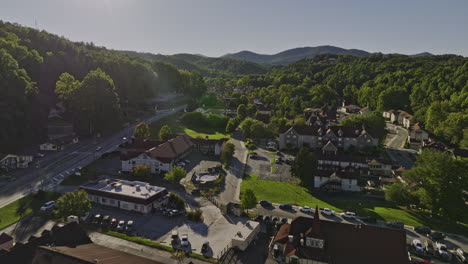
x,y
170,211
108,222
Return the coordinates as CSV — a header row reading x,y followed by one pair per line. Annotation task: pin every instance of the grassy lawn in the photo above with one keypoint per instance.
x,y
280,192
87,174
179,128
13,212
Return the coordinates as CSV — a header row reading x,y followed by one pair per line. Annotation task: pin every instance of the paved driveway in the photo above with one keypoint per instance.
x,y
262,166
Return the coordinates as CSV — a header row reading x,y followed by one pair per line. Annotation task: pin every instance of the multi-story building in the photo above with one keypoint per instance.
x,y
161,156
127,195
313,241
316,136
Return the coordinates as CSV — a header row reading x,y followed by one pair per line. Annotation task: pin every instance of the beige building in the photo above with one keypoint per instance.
x,y
127,195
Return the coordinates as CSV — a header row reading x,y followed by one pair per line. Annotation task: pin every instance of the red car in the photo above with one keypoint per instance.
x,y
113,223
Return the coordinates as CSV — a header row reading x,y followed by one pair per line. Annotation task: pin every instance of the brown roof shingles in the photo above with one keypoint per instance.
x,y
345,243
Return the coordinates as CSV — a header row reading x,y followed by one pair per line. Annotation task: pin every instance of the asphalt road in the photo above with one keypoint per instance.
x,y
395,147
231,190
60,166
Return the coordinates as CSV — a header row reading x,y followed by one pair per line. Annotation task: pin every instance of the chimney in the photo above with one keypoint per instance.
x,y
302,242
357,131
290,238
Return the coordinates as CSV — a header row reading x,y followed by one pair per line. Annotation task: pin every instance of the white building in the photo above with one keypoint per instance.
x,y
162,156
417,134
127,195
59,143
316,136
336,181
14,161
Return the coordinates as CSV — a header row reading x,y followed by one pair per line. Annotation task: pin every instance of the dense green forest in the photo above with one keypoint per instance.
x,y
433,88
207,66
31,62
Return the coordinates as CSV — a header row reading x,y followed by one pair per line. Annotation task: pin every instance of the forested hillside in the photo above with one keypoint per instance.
x,y
207,66
31,62
293,55
433,88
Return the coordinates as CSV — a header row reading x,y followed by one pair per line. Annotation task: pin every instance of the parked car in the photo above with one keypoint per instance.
x,y
39,155
113,223
284,220
129,226
258,218
195,191
267,218
278,161
48,206
175,237
279,153
184,241
395,224
461,256
305,209
429,247
253,155
441,250
120,226
327,211
96,219
105,221
205,247
285,207
175,212
187,161
417,245
275,219
437,236
265,203
422,230
349,215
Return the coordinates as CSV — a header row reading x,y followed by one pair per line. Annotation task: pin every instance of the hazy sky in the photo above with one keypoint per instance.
x,y
216,27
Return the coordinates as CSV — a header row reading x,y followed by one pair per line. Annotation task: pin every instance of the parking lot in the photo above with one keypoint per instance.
x,y
215,228
263,166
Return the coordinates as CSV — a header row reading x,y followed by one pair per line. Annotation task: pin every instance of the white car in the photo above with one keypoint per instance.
x,y
180,164
184,241
327,211
417,245
348,215
442,250
120,225
305,209
47,206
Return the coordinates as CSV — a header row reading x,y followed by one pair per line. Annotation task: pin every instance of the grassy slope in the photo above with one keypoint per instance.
x,y
178,128
280,192
10,213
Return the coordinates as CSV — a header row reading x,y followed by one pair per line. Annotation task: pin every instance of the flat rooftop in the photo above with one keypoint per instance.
x,y
134,189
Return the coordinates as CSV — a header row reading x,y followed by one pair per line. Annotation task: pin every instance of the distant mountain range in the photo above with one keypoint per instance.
x,y
293,55
246,62
207,66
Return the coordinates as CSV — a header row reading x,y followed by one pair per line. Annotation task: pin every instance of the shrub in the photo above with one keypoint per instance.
x,y
177,201
195,215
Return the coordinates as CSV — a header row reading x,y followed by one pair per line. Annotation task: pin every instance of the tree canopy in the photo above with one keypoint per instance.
x,y
142,131
441,181
73,203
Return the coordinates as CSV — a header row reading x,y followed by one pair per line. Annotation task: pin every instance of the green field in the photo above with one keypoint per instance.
x,y
281,192
13,212
179,128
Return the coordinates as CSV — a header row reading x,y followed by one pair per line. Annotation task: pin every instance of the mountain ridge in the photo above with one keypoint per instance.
x,y
295,54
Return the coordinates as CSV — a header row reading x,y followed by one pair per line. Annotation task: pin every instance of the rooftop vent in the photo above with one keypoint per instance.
x,y
302,242
290,238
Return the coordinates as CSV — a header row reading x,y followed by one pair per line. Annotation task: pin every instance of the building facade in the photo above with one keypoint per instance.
x,y
313,241
134,196
10,162
316,136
